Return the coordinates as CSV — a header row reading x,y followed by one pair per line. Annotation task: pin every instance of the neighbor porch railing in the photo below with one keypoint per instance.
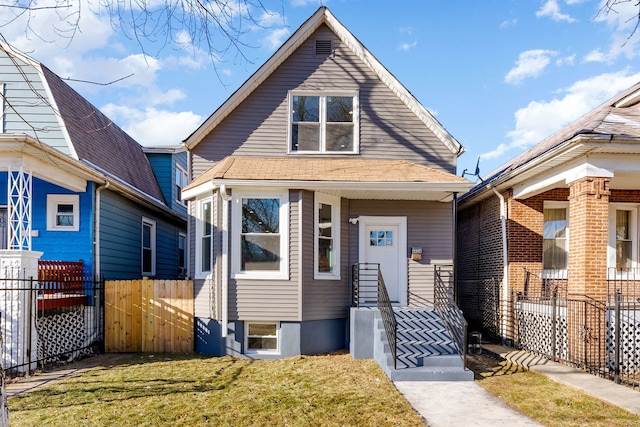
x,y
369,289
448,310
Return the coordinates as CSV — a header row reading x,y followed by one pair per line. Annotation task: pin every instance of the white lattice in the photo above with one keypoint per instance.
x,y
62,333
535,329
20,192
629,340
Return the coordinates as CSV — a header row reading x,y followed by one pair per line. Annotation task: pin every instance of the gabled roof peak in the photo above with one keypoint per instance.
x,y
324,16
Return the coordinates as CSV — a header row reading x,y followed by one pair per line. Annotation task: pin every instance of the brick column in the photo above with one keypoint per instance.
x,y
587,270
588,223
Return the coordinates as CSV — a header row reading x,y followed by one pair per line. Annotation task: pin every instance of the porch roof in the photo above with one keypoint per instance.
x,y
351,178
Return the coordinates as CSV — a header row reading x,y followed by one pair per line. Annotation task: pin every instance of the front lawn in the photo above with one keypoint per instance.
x,y
193,390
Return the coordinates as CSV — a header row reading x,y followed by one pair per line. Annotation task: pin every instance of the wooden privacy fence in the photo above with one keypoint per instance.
x,y
149,315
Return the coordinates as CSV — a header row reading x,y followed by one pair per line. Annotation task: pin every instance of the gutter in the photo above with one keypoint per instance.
x,y
505,262
226,198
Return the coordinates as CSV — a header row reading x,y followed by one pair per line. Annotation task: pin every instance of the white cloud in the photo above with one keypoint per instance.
x,y
509,23
622,20
299,3
275,38
531,63
405,47
540,119
153,127
551,9
596,56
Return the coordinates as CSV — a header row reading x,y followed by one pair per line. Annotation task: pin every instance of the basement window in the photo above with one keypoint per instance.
x,y
262,337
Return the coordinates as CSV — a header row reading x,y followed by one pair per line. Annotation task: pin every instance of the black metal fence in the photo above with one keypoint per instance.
x,y
597,333
48,322
448,310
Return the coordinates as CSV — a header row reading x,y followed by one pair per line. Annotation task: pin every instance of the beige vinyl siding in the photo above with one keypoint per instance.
x,y
270,299
324,299
259,126
29,111
429,226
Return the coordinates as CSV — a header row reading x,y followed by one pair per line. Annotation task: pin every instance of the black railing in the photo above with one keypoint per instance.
x,y
388,318
448,310
369,290
40,326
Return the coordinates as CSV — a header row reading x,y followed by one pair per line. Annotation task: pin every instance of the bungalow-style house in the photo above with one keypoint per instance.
x,y
320,161
557,223
76,187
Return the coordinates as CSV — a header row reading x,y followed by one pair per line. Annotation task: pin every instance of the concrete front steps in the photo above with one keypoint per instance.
x,y
425,350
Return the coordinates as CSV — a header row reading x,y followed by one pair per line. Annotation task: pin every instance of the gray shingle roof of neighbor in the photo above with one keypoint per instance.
x,y
98,141
619,116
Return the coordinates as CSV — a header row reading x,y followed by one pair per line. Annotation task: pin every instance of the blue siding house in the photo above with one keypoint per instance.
x,y
76,187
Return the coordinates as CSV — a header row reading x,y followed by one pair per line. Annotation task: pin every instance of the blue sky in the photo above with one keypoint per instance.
x,y
500,75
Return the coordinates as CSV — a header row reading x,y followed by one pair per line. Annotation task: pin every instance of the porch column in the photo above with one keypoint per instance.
x,y
19,213
18,308
587,269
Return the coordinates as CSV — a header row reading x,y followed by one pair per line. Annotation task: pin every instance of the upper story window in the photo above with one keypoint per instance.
x,y
555,236
148,247
325,123
180,182
63,212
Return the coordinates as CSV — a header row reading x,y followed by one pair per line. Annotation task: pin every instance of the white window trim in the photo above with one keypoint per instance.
x,y
258,351
323,95
611,247
200,274
560,273
236,230
184,181
334,201
152,224
53,200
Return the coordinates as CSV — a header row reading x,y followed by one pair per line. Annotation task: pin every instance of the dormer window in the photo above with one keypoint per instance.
x,y
326,123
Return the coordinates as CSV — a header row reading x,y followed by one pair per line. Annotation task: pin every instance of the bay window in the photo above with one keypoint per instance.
x,y
327,237
204,236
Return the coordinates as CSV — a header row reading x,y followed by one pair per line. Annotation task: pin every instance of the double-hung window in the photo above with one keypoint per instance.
x,y
327,237
323,123
555,236
623,237
148,247
180,182
260,235
204,236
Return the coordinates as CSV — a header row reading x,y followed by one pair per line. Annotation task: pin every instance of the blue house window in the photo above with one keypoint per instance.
x,y
63,212
148,247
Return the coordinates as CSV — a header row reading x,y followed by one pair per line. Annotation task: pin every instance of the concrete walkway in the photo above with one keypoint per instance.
x,y
467,404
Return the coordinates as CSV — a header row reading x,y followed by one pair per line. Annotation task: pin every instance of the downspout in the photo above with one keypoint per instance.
x,y
505,265
455,245
96,231
226,198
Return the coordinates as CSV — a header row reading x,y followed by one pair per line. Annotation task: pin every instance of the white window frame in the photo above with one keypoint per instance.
x,y
152,226
559,273
181,175
322,113
53,200
334,202
236,231
633,233
200,273
260,351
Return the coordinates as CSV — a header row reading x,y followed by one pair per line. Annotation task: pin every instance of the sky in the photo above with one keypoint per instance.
x,y
499,75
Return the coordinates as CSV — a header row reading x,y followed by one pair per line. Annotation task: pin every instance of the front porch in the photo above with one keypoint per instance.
x,y
410,342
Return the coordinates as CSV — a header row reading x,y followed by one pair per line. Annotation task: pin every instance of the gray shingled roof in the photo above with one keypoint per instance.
x,y
100,142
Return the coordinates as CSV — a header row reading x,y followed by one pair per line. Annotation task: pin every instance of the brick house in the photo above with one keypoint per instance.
x,y
561,217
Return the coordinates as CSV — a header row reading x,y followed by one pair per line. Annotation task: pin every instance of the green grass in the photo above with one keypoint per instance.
x,y
192,390
547,401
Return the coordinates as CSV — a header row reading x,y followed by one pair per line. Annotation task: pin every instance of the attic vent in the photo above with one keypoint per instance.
x,y
323,47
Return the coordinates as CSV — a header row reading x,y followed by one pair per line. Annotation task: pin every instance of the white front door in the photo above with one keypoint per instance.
x,y
383,241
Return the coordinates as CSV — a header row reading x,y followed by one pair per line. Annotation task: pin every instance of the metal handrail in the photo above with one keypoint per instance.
x,y
448,310
368,283
388,317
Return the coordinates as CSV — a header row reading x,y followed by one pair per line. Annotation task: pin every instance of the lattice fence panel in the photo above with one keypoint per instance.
x,y
536,329
629,341
62,334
